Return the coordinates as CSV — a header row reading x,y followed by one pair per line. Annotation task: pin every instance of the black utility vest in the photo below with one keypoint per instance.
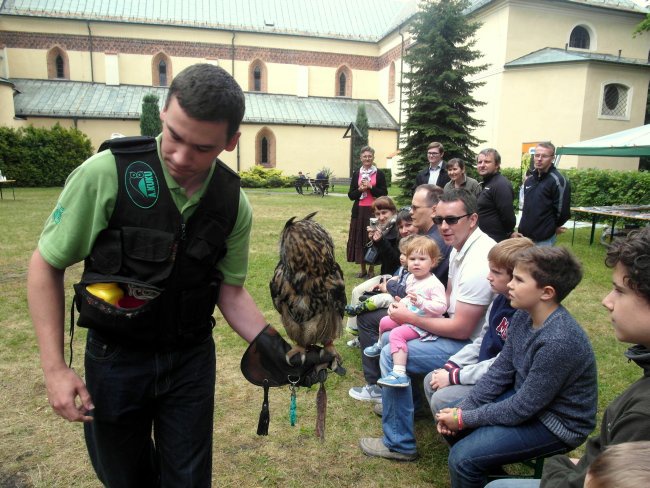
x,y
147,245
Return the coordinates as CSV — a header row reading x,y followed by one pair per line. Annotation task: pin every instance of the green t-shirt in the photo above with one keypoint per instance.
x,y
86,204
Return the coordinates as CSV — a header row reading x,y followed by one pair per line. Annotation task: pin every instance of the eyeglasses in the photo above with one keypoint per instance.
x,y
449,220
433,153
415,208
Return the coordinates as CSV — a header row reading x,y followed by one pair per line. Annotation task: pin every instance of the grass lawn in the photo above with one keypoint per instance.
x,y
40,449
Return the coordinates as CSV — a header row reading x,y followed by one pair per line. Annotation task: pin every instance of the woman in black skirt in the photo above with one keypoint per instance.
x,y
367,183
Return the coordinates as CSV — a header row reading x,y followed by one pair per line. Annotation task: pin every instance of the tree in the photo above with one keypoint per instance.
x,y
437,87
150,124
359,142
643,26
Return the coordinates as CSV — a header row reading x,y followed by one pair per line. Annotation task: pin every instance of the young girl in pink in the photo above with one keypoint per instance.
x,y
426,297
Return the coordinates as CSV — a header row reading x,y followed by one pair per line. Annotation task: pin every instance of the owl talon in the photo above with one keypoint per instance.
x,y
295,354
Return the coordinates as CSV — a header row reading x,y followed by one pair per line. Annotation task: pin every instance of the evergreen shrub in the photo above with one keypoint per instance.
x,y
40,157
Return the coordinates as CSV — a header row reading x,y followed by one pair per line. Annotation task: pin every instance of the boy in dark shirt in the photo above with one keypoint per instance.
x,y
539,396
627,419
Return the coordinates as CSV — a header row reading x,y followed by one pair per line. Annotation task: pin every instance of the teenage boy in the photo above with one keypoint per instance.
x,y
627,419
539,396
157,215
447,386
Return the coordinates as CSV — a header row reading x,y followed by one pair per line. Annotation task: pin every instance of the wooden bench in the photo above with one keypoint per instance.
x,y
536,464
345,182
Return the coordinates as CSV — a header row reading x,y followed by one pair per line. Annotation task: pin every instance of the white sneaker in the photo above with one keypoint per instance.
x,y
367,393
354,343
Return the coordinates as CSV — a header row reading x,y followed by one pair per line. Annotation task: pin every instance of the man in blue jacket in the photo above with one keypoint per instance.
x,y
547,199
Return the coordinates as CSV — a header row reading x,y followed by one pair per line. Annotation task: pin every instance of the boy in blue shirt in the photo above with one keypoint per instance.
x,y
539,396
627,418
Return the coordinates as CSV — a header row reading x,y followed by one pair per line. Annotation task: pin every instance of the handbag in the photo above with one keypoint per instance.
x,y
372,254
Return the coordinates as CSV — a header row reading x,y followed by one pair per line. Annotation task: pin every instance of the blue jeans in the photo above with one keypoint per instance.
x,y
398,407
153,414
547,242
514,483
368,327
476,451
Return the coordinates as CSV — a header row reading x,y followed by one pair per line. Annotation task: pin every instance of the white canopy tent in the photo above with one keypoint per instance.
x,y
627,143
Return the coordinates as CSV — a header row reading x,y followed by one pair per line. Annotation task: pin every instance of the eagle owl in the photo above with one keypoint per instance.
x,y
307,286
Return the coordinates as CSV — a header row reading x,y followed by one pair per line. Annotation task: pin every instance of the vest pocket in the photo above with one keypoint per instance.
x,y
119,323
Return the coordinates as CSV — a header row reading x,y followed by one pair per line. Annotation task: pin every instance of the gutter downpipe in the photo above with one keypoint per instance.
x,y
90,37
401,80
232,69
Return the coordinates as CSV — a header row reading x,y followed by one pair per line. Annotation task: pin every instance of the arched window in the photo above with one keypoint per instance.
x,y
257,81
343,82
265,148
264,159
161,70
615,103
391,82
60,66
580,38
162,73
57,64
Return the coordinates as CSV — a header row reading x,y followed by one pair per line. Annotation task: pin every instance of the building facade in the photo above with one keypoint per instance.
x,y
558,69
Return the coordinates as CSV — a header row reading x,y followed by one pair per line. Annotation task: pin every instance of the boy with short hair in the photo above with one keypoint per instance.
x,y
446,387
539,396
627,418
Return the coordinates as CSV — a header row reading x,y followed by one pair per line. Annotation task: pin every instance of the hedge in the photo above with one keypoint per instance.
x,y
42,157
598,187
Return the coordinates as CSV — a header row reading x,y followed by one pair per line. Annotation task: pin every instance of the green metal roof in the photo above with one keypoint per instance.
x,y
550,55
626,5
360,20
60,98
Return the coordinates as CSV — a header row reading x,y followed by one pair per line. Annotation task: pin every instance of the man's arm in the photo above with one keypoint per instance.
x,y
240,311
460,326
564,203
46,303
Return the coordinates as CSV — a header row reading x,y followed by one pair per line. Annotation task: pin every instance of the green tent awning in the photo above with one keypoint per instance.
x,y
628,143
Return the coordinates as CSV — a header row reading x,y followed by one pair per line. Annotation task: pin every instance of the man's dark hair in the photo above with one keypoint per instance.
x,y
552,266
468,199
432,193
633,253
208,93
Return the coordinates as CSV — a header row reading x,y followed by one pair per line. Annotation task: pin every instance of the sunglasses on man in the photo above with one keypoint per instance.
x,y
450,220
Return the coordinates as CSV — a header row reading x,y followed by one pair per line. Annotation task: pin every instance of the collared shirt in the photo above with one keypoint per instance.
x,y
434,173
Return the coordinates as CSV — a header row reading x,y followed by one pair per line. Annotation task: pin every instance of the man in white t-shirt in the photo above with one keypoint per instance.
x,y
469,295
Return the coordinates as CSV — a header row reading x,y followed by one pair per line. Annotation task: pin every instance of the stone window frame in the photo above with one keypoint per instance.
x,y
155,68
52,70
265,134
391,82
623,102
263,79
577,32
345,70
